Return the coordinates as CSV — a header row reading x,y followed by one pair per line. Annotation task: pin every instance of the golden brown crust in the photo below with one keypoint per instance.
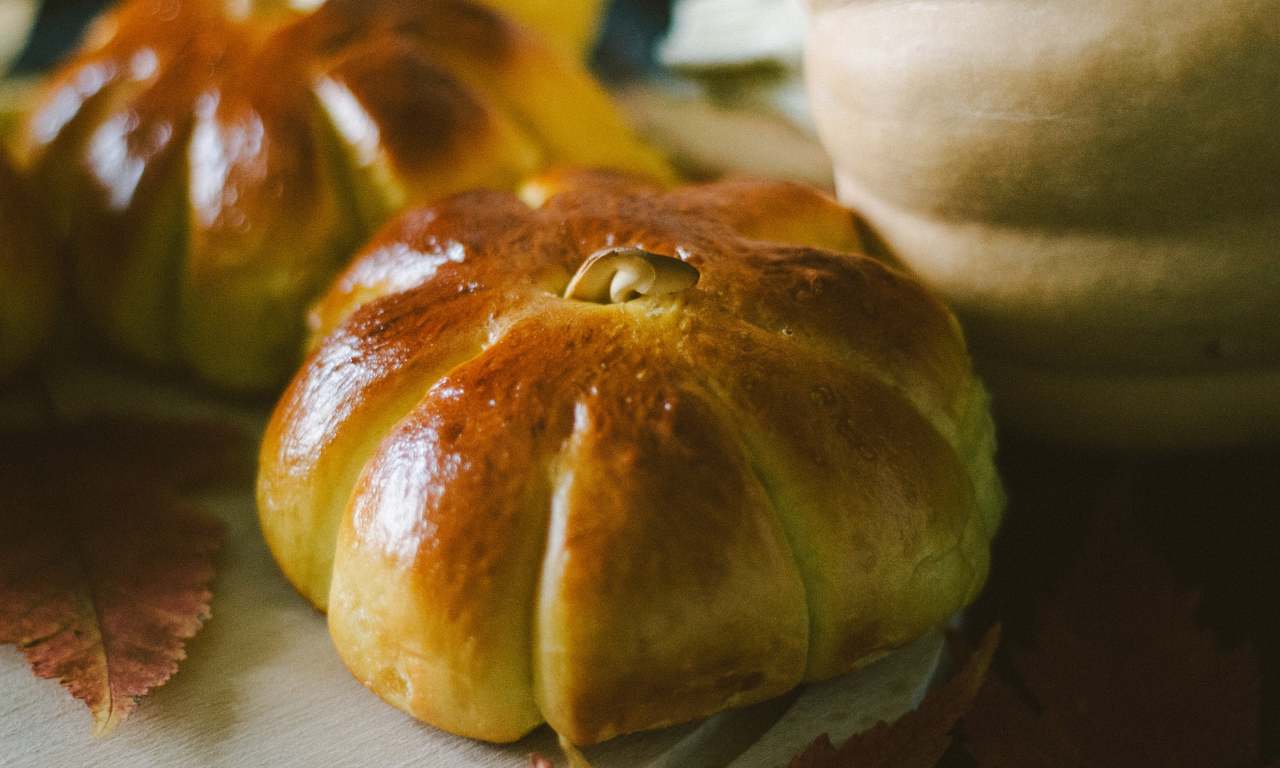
x,y
451,24
452,237
397,85
442,525
662,543
620,516
887,535
212,172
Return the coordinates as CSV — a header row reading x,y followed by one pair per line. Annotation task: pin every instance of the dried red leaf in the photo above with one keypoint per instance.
x,y
1119,673
919,738
104,569
820,754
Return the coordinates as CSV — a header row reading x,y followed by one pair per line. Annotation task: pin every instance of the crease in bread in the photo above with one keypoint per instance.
x,y
612,517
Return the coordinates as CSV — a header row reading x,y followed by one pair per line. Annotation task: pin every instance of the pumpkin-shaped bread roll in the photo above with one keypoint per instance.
x,y
627,458
28,274
215,162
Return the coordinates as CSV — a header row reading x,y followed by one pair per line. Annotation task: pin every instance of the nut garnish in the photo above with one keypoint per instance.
x,y
616,275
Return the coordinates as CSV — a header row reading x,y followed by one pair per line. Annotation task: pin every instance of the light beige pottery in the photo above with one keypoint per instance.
x,y
1094,185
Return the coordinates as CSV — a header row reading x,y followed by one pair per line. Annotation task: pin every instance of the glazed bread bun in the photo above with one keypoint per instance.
x,y
214,165
28,274
1091,184
626,459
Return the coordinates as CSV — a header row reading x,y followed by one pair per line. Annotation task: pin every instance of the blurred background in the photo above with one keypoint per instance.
x,y
716,83
627,44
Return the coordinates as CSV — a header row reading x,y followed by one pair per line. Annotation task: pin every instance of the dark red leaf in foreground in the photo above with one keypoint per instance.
x,y
104,569
919,738
1120,673
820,754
